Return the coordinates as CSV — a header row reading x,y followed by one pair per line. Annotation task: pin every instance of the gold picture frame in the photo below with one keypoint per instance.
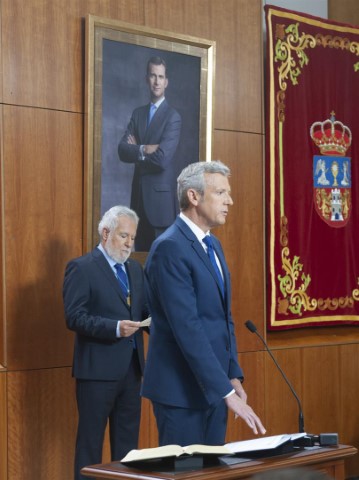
x,y
115,72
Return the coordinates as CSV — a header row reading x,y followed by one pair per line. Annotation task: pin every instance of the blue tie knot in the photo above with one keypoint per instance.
x,y
208,241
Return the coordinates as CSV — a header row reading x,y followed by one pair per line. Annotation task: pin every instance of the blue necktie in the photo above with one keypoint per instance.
x,y
122,280
152,111
121,276
210,252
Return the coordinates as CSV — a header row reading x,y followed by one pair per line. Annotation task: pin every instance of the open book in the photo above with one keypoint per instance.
x,y
262,443
174,451
233,448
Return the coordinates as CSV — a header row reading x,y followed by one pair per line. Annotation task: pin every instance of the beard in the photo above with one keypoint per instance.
x,y
119,257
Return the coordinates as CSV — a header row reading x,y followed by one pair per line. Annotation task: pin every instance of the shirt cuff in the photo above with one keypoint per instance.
x,y
118,331
141,155
230,393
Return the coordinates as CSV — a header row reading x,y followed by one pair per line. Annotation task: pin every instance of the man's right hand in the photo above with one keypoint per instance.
x,y
128,327
241,409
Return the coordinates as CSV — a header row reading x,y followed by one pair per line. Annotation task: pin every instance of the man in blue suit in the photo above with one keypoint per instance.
x,y
104,303
192,375
150,143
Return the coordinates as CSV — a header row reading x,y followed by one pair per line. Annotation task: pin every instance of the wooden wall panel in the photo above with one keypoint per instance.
x,y
43,48
253,368
320,368
237,30
3,425
281,407
43,217
2,273
346,11
348,386
41,426
242,236
325,379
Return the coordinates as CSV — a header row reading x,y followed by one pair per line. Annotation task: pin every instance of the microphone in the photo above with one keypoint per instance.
x,y
252,328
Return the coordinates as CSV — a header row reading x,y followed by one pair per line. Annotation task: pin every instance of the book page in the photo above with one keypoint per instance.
x,y
146,322
151,453
262,443
207,449
174,451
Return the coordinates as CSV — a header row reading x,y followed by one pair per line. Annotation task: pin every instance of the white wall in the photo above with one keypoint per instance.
x,y
318,8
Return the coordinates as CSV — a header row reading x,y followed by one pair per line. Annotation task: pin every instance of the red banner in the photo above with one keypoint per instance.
x,y
312,171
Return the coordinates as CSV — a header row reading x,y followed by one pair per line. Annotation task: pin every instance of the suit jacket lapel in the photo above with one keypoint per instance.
x,y
225,271
202,254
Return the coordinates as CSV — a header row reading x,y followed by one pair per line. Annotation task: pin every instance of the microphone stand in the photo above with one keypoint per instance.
x,y
252,328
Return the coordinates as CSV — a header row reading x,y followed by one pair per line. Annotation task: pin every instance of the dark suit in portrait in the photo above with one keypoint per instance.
x,y
153,194
154,181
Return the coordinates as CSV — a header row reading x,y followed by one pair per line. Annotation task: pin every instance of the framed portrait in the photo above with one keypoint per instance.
x,y
129,159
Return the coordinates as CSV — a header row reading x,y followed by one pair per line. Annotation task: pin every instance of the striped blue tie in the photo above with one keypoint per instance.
x,y
122,279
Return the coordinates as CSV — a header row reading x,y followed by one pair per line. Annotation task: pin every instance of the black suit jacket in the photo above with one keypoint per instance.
x,y
94,303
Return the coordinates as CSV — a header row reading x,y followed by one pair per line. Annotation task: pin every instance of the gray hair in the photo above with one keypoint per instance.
x,y
193,176
111,218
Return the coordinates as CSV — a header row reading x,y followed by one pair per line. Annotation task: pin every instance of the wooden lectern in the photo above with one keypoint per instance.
x,y
326,459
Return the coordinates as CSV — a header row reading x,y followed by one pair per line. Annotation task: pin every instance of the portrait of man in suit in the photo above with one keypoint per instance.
x,y
104,302
138,161
150,143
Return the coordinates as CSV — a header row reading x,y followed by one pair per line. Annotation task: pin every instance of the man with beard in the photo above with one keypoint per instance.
x,y
104,304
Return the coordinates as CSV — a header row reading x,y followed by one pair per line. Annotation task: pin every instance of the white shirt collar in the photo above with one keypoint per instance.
x,y
198,232
157,104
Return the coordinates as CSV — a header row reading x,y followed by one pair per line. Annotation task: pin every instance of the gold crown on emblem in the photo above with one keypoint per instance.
x,y
331,136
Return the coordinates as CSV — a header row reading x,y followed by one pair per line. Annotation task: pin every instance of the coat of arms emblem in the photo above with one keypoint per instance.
x,y
331,171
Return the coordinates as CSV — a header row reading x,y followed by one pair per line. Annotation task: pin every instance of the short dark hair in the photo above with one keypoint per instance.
x,y
156,61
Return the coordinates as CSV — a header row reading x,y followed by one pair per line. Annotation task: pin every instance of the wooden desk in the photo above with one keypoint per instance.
x,y
326,459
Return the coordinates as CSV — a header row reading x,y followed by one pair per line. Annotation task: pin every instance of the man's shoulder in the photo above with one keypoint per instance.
x,y
143,109
87,258
170,111
134,265
177,237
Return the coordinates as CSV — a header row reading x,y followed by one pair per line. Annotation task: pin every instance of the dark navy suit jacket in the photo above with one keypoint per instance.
x,y
192,350
155,177
94,303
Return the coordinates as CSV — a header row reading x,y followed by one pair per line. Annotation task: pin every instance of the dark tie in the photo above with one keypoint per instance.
x,y
122,280
152,111
210,252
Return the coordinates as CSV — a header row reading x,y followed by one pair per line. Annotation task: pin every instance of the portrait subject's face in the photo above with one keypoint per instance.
x,y
157,81
212,209
119,242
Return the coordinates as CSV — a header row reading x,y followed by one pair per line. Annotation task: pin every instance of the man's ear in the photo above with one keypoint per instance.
x,y
105,233
193,196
